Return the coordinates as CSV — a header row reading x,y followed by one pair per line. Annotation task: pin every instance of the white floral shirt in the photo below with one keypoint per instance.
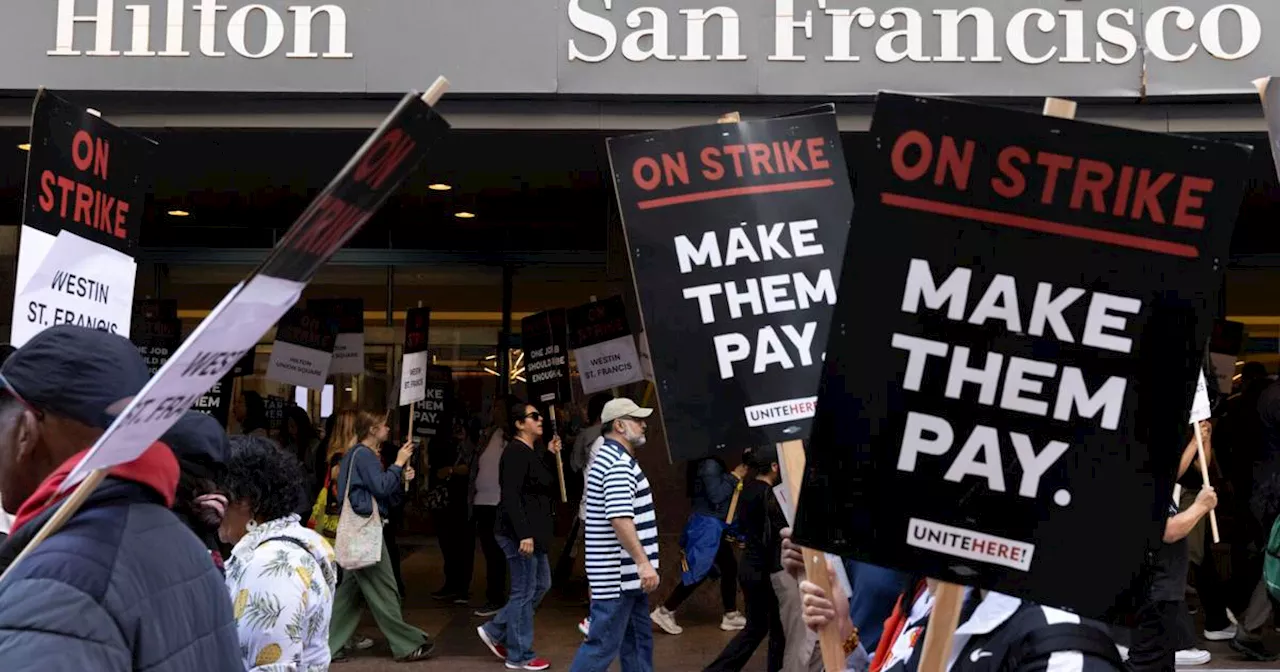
x,y
282,579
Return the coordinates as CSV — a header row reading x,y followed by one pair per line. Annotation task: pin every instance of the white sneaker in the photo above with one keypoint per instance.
x,y
1225,634
733,620
1188,657
666,620
1124,653
359,643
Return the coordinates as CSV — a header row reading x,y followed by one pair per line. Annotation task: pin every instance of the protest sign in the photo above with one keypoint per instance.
x,y
156,336
601,342
413,366
1201,409
348,345
736,234
234,326
302,350
245,366
85,178
1007,406
433,414
217,401
275,412
544,337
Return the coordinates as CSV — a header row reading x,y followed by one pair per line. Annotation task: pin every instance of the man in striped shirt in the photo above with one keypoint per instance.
x,y
621,548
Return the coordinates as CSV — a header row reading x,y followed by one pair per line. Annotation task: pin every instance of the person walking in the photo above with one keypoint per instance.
x,y
451,457
710,486
622,547
484,495
761,522
281,576
123,585
524,532
367,485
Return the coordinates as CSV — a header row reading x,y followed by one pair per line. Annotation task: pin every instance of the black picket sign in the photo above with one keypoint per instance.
x,y
1022,315
433,416
153,309
217,401
308,329
275,412
736,234
85,175
417,329
157,337
245,366
347,314
597,322
544,337
385,160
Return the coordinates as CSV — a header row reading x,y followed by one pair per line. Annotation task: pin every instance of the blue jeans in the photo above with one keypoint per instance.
x,y
620,628
530,580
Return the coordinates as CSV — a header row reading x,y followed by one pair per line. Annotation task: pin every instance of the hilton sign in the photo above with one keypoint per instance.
x,y
269,29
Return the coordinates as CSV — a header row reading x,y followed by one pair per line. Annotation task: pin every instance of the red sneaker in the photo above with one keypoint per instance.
x,y
535,664
498,650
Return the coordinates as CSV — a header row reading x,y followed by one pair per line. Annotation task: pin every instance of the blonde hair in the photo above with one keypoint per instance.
x,y
344,433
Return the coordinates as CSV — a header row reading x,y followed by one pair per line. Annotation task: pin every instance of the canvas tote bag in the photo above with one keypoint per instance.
x,y
359,539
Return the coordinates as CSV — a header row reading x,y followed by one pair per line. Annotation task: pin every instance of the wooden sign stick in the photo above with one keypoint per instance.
x,y
412,407
815,563
564,495
1204,475
948,597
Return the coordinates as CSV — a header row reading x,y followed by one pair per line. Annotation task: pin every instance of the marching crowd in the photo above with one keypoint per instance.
x,y
252,552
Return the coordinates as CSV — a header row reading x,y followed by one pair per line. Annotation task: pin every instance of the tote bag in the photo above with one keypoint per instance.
x,y
359,539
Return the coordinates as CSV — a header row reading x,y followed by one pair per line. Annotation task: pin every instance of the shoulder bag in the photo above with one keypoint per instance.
x,y
358,541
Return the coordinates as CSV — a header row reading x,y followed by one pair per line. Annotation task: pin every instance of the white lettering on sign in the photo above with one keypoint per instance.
x,y
1017,384
252,30
1172,33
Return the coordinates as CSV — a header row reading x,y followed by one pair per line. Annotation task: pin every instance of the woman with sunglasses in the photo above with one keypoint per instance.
x,y
528,482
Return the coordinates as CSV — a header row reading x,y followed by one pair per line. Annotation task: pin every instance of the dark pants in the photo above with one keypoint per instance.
x,y
728,566
495,562
458,545
620,630
763,620
1156,636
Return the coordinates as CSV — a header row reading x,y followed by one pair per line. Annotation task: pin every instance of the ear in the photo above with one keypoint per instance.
x,y
28,435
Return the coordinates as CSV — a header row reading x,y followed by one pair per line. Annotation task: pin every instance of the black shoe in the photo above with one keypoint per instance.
x,y
489,609
462,598
1253,649
423,652
443,594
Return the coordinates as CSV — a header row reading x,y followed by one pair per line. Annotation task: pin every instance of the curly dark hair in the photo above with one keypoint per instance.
x,y
263,474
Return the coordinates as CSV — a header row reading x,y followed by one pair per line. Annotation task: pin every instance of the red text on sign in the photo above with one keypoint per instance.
x,y
735,161
386,155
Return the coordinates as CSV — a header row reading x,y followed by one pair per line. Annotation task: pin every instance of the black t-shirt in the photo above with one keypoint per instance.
x,y
1168,570
758,521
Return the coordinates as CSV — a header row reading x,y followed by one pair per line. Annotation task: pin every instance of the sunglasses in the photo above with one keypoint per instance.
x,y
532,416
7,388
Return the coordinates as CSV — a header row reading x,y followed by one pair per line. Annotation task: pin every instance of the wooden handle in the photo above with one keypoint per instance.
x,y
1059,107
729,118
412,407
1204,475
435,91
815,569
947,600
55,523
733,504
564,494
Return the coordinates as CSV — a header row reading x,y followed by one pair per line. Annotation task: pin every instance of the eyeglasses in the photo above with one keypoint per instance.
x,y
7,387
532,416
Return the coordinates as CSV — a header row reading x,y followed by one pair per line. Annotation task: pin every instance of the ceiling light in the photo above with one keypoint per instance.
x,y
25,146
179,213
439,186
465,215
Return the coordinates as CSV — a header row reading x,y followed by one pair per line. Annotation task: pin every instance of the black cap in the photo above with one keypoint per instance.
x,y
76,372
200,444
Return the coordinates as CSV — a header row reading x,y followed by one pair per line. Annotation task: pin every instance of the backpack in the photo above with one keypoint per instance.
x,y
1271,561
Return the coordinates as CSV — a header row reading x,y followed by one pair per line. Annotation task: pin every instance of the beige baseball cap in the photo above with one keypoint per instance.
x,y
623,408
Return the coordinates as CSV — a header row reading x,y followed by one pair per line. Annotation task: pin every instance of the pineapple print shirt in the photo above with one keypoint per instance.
x,y
282,578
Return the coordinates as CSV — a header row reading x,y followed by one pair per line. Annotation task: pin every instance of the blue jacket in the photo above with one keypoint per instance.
x,y
713,489
385,486
123,586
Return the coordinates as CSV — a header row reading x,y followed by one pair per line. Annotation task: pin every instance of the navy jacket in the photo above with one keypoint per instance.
x,y
385,486
123,586
713,489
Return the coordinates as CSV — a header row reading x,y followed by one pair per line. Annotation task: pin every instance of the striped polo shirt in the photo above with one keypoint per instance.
x,y
616,488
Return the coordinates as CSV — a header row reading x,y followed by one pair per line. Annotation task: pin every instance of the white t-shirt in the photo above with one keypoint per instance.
x,y
488,491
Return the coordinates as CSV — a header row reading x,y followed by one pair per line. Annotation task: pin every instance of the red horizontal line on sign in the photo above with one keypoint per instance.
x,y
734,191
1040,225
